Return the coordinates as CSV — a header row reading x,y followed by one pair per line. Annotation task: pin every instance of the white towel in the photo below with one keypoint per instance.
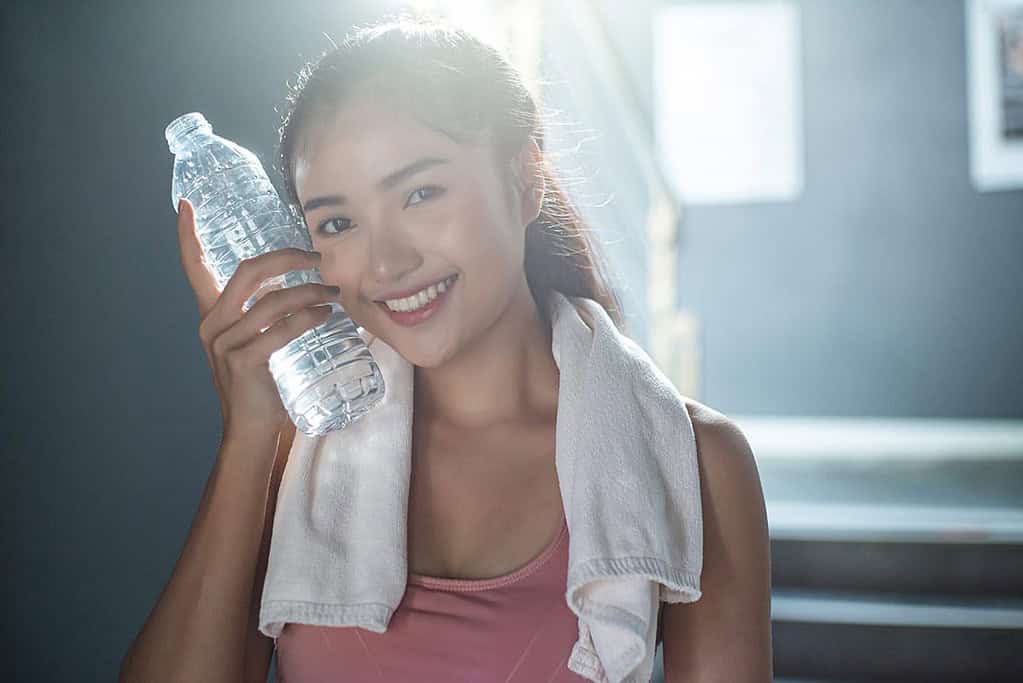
x,y
625,456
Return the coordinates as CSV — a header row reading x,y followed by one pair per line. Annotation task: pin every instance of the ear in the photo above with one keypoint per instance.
x,y
527,175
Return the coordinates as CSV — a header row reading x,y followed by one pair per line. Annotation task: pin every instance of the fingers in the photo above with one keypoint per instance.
x,y
253,271
250,273
199,278
285,330
271,310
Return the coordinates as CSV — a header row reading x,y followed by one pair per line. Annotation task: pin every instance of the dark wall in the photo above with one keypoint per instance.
x,y
111,422
891,287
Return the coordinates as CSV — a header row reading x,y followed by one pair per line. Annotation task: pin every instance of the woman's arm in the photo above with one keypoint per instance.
x,y
725,635
198,629
259,648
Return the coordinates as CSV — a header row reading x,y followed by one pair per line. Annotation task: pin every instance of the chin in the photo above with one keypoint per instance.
x,y
412,352
424,348
423,358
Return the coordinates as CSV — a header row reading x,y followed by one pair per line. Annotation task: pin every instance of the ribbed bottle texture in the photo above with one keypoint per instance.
x,y
326,377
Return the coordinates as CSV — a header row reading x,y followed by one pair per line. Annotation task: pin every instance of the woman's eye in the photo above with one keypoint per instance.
x,y
431,189
323,227
426,192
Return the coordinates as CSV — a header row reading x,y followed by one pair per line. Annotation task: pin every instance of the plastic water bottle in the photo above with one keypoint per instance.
x,y
327,377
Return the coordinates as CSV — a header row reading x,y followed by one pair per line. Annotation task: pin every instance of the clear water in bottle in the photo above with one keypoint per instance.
x,y
326,377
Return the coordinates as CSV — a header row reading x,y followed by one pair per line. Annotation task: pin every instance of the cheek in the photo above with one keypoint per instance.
x,y
482,234
500,246
340,269
487,251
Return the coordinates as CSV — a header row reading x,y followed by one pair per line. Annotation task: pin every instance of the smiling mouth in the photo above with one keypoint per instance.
x,y
413,303
410,318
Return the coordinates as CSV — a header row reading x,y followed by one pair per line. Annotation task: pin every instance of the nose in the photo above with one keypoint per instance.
x,y
392,256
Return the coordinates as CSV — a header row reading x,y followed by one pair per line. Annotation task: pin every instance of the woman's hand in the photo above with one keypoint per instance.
x,y
238,344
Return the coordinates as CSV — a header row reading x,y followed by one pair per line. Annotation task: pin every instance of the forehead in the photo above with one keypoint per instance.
x,y
363,141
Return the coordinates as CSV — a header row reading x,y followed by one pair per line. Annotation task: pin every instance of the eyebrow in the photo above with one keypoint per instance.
x,y
387,183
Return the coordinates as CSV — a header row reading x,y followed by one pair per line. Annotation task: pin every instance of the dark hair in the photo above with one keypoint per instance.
x,y
455,83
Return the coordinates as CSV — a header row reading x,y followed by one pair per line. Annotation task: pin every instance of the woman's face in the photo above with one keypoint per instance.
x,y
383,234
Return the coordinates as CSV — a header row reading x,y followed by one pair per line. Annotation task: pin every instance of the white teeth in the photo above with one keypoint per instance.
x,y
419,299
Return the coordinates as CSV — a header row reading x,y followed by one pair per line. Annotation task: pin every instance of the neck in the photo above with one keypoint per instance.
x,y
507,373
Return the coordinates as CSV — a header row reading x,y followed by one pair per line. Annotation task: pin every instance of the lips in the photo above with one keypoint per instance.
x,y
415,317
409,292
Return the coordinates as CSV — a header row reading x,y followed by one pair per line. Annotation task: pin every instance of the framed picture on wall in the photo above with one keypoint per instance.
x,y
1010,52
994,63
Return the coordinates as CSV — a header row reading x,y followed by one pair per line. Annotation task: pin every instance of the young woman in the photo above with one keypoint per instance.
x,y
415,154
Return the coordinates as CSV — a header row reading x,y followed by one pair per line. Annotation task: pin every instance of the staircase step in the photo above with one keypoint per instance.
x,y
883,438
897,548
895,609
952,569
832,636
894,523
897,461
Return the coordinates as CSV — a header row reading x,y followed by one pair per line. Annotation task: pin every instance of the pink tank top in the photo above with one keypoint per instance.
x,y
515,628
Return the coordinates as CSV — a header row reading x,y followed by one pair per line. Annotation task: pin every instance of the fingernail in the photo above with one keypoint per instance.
x,y
181,202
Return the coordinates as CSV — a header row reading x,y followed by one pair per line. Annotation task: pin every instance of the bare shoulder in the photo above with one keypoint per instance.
x,y
729,479
726,634
718,437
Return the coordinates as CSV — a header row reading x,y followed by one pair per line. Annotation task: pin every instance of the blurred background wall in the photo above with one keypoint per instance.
x,y
891,287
